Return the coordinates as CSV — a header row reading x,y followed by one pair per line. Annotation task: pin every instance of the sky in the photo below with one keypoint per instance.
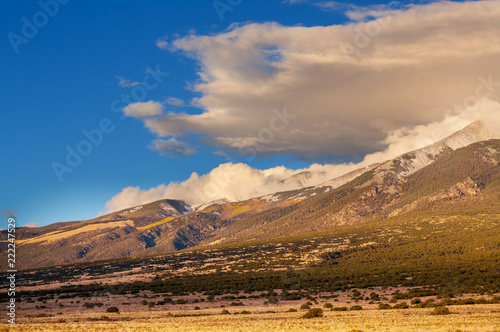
x,y
111,104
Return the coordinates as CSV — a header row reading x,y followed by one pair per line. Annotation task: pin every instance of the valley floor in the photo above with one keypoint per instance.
x,y
484,317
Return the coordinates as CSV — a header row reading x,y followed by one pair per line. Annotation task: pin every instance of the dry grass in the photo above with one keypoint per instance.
x,y
58,235
463,318
155,224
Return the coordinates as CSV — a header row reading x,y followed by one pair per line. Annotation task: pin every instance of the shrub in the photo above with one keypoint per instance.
x,y
328,305
112,309
305,306
292,310
237,304
180,301
440,310
374,297
416,301
196,308
245,312
292,297
339,309
402,305
272,300
384,306
356,307
224,312
313,313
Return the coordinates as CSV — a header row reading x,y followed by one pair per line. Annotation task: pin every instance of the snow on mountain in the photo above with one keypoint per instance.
x,y
413,161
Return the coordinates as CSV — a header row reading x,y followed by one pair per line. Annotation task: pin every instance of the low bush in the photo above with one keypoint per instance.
x,y
339,309
237,304
313,313
440,310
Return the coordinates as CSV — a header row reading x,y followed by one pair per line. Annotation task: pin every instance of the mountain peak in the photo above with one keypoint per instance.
x,y
410,162
474,132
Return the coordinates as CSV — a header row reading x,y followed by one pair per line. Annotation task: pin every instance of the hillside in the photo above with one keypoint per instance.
x,y
457,181
434,179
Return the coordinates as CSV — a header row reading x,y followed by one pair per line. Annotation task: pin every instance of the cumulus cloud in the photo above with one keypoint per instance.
x,y
240,181
143,109
31,224
350,85
172,147
232,181
126,83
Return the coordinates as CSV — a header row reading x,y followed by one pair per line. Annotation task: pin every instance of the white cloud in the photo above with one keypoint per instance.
x,y
143,109
172,147
233,181
294,2
350,85
31,224
126,83
240,181
162,43
362,13
175,101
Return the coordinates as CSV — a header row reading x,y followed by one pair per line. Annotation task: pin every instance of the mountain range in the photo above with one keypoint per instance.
x,y
459,174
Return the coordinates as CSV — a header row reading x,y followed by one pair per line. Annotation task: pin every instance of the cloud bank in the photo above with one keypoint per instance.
x,y
350,85
240,181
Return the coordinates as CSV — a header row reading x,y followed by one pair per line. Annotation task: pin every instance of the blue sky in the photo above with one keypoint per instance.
x,y
65,78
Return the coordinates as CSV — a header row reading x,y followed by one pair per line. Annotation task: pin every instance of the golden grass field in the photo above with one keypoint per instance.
x,y
463,318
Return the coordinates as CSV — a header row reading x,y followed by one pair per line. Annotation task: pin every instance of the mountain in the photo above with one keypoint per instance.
x,y
341,180
467,178
459,174
301,179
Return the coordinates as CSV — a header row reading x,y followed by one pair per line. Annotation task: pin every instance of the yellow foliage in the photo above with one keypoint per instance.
x,y
143,228
241,209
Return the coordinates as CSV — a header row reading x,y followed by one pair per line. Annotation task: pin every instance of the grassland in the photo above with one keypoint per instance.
x,y
462,318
